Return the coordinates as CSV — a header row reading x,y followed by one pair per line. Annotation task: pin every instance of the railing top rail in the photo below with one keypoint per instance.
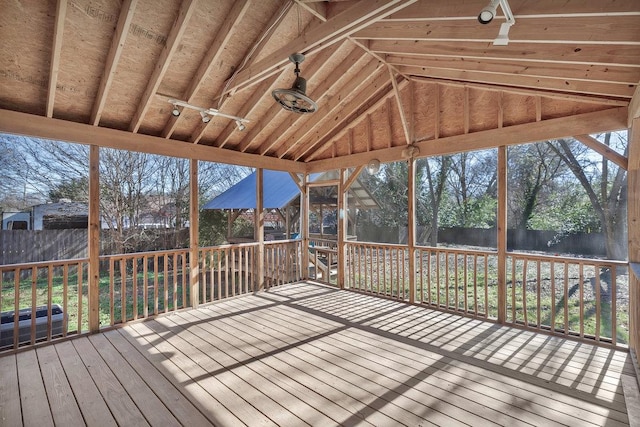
x,y
40,264
141,254
228,246
574,260
458,250
374,244
277,242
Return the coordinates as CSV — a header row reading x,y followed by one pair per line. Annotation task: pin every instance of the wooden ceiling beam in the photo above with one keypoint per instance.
x,y
587,123
310,71
572,86
438,9
255,51
355,118
54,66
187,8
376,83
262,90
585,54
360,15
527,92
331,103
593,72
602,149
233,18
115,50
401,109
579,30
61,130
292,125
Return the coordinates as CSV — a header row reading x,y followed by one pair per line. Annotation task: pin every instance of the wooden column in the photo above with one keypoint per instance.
x,y
342,229
94,239
411,229
304,225
259,227
502,234
633,230
194,255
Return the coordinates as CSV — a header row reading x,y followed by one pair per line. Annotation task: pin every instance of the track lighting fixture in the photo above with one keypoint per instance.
x,y
295,99
489,12
206,113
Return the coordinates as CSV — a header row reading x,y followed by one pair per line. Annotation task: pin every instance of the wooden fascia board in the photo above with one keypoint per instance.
x,y
61,130
115,50
604,150
595,122
54,68
179,26
333,30
238,11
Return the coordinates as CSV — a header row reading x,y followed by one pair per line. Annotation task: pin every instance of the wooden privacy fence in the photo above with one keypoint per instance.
x,y
576,297
131,287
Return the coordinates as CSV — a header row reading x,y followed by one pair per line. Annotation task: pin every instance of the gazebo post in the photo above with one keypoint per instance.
x,y
194,270
633,230
304,225
342,228
94,239
502,234
411,229
259,226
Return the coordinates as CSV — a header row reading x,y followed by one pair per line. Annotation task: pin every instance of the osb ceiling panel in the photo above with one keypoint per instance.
x,y
380,71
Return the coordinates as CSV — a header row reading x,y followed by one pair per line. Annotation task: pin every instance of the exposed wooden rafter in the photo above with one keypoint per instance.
x,y
332,31
117,44
180,25
54,68
221,40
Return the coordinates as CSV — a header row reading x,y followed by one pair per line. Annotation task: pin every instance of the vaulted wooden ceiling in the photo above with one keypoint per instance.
x,y
384,73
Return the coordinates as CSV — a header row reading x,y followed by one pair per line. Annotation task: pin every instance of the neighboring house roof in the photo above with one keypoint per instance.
x,y
279,191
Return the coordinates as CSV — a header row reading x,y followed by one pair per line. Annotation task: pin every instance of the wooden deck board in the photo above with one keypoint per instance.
x,y
307,354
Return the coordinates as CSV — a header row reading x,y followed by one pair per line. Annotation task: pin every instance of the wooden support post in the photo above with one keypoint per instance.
x,y
304,225
633,230
411,229
342,229
194,255
259,226
502,234
94,239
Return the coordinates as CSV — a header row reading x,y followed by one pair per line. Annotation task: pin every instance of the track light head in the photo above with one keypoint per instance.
x,y
373,166
175,111
240,126
205,117
489,12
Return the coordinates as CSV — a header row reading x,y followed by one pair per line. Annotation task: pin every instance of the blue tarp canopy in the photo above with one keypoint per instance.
x,y
279,191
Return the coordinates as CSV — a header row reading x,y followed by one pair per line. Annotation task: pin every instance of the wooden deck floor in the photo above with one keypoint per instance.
x,y
306,354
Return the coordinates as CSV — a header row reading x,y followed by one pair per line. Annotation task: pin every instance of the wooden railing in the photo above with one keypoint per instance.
x,y
56,291
323,256
579,297
134,286
575,297
226,271
283,261
462,281
378,269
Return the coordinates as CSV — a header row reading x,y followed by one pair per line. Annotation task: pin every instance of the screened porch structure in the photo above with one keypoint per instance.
x,y
401,334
